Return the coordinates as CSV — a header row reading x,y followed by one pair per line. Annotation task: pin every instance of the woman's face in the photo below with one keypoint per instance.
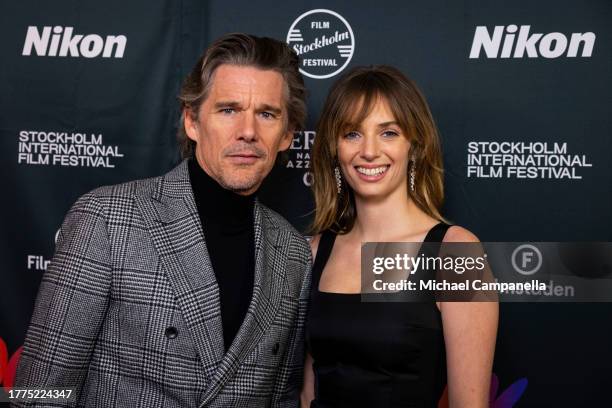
x,y
374,157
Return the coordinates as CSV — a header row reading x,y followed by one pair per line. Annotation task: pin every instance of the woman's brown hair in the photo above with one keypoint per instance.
x,y
348,103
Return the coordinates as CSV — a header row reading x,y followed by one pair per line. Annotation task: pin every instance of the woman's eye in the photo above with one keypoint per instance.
x,y
390,133
351,135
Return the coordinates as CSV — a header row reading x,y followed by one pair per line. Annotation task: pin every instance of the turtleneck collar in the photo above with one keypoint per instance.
x,y
219,207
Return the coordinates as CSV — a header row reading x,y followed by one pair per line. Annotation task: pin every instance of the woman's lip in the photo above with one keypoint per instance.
x,y
374,177
371,166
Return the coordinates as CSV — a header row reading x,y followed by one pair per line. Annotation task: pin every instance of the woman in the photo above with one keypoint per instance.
x,y
378,178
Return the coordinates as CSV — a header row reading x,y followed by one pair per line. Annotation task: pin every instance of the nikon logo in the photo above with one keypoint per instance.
x,y
517,45
60,42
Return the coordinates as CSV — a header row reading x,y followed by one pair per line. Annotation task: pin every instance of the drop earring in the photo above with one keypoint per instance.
x,y
338,179
412,171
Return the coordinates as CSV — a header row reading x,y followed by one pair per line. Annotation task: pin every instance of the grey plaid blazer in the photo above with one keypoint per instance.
x,y
128,311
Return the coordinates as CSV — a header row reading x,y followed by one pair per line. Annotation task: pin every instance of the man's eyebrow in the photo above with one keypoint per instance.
x,y
227,104
270,108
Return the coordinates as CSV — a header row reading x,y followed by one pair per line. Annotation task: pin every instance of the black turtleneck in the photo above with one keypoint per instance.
x,y
228,223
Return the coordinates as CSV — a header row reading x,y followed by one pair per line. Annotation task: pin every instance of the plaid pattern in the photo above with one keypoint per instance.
x,y
130,263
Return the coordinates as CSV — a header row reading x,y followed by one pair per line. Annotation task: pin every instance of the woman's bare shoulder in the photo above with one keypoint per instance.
x,y
457,233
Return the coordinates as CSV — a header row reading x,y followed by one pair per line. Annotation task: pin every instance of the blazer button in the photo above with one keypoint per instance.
x,y
275,348
171,332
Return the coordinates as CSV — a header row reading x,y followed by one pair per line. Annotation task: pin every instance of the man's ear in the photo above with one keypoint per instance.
x,y
190,124
286,141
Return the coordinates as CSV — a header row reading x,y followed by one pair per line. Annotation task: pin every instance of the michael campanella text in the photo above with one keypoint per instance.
x,y
465,285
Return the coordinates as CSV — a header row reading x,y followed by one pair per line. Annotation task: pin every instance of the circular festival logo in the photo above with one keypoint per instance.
x,y
324,41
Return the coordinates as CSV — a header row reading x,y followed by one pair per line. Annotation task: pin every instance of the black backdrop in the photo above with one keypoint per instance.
x,y
110,104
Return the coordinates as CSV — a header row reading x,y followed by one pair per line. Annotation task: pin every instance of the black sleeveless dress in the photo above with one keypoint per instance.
x,y
374,354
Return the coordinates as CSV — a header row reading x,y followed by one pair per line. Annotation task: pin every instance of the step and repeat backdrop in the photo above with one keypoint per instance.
x,y
520,92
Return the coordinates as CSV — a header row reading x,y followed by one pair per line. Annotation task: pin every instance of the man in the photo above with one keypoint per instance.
x,y
183,290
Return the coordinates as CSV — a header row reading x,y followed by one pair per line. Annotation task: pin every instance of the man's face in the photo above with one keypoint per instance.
x,y
241,126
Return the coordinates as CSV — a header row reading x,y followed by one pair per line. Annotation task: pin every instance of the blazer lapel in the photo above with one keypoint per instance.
x,y
172,218
270,268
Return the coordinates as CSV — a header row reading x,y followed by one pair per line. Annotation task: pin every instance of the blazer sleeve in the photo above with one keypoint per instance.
x,y
289,382
70,307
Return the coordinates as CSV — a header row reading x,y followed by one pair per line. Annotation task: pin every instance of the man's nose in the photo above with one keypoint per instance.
x,y
247,130
370,148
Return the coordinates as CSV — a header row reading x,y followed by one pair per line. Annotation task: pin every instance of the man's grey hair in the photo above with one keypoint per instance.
x,y
243,50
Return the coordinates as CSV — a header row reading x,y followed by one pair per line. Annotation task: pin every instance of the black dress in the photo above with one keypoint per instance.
x,y
374,354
